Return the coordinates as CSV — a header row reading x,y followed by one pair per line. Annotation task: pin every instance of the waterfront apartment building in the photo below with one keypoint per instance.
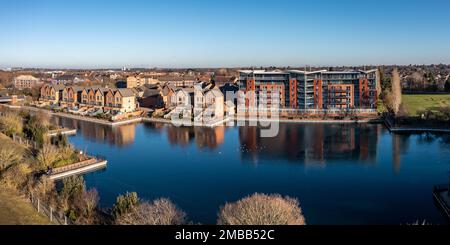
x,y
314,89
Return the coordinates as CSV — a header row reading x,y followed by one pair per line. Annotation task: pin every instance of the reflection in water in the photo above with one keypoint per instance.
x,y
119,136
124,135
313,143
354,187
400,145
205,137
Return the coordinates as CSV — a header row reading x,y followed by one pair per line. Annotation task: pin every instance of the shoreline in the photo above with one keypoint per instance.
x,y
388,125
225,120
235,120
83,118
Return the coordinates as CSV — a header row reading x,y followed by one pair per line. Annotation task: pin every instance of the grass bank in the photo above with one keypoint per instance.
x,y
17,210
420,102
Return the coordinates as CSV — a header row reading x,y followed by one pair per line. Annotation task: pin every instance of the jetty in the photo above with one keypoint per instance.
x,y
441,195
62,131
82,167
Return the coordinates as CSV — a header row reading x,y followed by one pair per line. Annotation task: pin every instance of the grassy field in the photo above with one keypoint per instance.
x,y
416,102
16,210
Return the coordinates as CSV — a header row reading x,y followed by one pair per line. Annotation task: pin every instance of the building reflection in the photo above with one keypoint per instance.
x,y
312,143
120,136
204,137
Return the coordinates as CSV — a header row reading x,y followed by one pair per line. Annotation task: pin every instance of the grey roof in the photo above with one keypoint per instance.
x,y
59,86
65,78
126,92
77,88
176,78
151,86
151,92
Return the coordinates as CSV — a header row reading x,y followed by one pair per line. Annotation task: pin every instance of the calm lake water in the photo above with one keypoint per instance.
x,y
341,173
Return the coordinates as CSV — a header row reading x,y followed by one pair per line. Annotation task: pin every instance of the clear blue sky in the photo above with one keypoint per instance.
x,y
219,33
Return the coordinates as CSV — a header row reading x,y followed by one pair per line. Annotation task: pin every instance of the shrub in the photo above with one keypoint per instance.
x,y
11,124
60,140
261,209
85,206
8,156
160,212
47,156
36,129
125,203
44,188
71,190
16,176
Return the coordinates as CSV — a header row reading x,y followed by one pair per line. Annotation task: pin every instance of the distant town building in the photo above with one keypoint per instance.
x,y
26,82
178,81
64,79
137,81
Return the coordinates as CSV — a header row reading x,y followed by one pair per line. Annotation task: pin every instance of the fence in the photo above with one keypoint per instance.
x,y
81,164
25,142
311,111
414,123
54,216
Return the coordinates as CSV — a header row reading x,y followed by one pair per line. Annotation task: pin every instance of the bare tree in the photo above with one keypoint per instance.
x,y
417,81
87,203
396,91
160,212
47,156
11,123
8,156
378,83
262,209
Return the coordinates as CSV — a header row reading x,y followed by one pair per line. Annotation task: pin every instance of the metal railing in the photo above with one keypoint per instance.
x,y
312,111
75,165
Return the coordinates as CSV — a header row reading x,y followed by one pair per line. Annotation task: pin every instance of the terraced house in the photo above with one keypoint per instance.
x,y
314,89
52,93
117,100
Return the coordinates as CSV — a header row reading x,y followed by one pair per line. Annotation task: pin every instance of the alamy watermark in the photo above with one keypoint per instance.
x,y
213,108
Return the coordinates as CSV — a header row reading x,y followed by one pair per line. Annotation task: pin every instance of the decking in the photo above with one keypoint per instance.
x,y
86,166
442,196
62,131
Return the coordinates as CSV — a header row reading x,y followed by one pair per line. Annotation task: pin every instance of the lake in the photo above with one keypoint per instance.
x,y
340,173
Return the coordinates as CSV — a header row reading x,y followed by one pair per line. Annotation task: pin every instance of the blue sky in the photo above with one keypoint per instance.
x,y
219,33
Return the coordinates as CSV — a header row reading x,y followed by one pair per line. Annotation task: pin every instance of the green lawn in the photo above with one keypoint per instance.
x,y
416,102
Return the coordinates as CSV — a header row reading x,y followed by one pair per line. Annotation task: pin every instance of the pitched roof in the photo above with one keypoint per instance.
x,y
176,78
216,93
151,92
126,92
58,86
65,78
26,77
76,88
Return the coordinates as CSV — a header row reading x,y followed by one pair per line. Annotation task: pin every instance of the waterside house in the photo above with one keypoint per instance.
x,y
107,99
52,93
151,97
